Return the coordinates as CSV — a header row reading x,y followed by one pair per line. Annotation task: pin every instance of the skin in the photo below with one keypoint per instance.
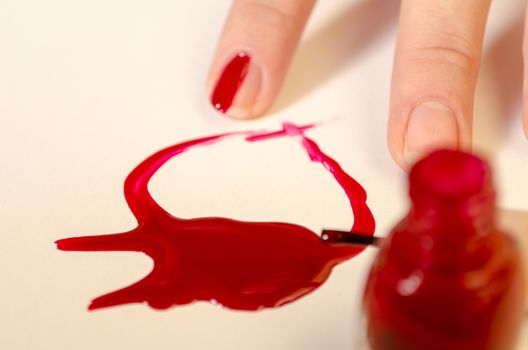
x,y
436,64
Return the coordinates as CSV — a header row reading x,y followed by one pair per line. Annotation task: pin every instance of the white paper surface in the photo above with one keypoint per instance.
x,y
90,88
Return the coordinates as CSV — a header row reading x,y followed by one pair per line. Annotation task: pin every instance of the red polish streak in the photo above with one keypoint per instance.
x,y
229,82
446,277
240,265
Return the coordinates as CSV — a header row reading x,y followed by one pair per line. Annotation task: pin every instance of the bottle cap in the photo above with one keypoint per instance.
x,y
449,175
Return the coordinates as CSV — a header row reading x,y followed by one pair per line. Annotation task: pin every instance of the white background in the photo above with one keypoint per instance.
x,y
90,88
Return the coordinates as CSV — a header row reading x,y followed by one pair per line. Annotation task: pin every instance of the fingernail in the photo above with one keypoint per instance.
x,y
237,87
432,125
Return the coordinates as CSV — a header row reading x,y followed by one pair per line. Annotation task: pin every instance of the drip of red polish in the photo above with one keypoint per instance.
x,y
229,82
239,265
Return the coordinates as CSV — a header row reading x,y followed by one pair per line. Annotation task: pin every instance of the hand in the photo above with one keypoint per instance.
x,y
436,65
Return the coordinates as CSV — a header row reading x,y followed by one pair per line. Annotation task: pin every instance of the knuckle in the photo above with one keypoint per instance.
x,y
274,16
451,52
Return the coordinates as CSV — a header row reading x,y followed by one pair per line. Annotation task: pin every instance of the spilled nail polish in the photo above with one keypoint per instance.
x,y
230,81
236,264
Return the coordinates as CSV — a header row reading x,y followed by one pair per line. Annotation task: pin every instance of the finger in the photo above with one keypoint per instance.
x,y
253,54
525,87
436,66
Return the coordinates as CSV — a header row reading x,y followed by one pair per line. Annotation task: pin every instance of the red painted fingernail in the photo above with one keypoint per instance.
x,y
230,81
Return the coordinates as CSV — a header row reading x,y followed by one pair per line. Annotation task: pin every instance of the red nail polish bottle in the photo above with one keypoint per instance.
x,y
446,277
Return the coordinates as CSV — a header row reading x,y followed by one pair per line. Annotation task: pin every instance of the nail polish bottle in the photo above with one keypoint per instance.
x,y
446,277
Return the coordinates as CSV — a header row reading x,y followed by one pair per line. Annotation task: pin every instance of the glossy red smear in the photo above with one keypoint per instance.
x,y
363,218
240,265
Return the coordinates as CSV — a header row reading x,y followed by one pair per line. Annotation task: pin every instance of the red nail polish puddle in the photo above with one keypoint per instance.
x,y
239,265
229,82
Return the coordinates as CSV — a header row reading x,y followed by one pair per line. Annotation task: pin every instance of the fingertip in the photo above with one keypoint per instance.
x,y
422,127
436,63
253,55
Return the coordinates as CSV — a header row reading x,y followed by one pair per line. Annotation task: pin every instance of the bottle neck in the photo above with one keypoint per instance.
x,y
457,232
453,210
467,217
